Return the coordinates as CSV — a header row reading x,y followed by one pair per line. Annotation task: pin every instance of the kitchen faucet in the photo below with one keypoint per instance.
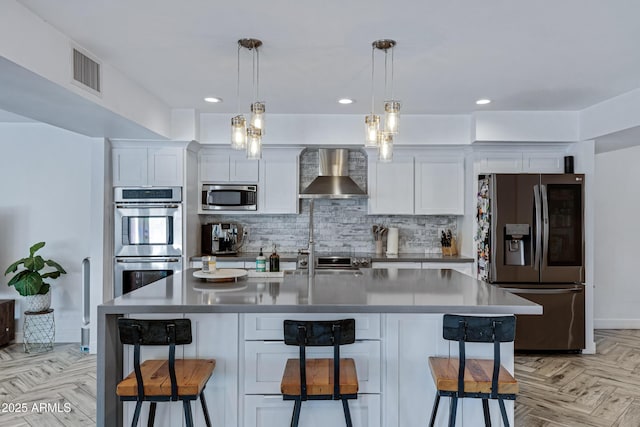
x,y
310,250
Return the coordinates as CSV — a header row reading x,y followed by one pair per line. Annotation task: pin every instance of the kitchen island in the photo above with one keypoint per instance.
x,y
398,317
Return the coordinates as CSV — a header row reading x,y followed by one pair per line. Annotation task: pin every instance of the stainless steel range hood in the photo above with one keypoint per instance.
x,y
333,181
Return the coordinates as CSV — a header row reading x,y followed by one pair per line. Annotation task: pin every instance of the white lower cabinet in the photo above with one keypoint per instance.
x,y
272,411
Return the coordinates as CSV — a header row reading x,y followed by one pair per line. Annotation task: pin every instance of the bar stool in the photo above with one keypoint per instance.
x,y
477,378
163,380
319,379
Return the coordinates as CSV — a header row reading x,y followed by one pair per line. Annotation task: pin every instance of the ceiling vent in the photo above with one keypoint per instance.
x,y
86,71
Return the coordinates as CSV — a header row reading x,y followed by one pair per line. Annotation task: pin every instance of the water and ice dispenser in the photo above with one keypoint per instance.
x,y
517,244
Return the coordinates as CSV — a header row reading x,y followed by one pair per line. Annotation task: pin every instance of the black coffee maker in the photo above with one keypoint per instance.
x,y
221,239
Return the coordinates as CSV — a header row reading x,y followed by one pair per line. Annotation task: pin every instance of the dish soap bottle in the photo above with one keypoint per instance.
x,y
274,260
261,262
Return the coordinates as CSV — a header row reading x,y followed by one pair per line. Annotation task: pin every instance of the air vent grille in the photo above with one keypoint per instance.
x,y
86,70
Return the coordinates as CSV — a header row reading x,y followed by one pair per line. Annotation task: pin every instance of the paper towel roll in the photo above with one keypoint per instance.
x,y
392,241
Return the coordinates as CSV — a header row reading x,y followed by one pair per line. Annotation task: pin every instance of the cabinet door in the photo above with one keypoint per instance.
x,y
129,166
272,411
265,362
439,186
279,184
243,170
165,166
391,187
498,162
543,162
214,167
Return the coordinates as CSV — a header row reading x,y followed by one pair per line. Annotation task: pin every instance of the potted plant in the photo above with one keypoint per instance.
x,y
30,283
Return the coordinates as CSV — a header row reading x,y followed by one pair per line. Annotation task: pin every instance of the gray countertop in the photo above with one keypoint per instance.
x,y
404,257
372,291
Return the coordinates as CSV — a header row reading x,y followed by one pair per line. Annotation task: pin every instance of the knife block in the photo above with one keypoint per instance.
x,y
450,250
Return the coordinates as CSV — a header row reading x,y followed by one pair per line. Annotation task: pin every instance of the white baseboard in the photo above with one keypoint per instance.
x,y
616,323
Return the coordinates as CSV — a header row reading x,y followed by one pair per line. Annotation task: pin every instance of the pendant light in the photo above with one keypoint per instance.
x,y
381,135
249,137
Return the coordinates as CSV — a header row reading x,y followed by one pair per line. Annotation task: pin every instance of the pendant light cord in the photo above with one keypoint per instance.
x,y
372,67
257,74
392,49
386,51
238,82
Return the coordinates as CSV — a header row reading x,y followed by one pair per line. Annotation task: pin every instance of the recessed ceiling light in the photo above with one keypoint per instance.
x,y
345,101
483,101
213,99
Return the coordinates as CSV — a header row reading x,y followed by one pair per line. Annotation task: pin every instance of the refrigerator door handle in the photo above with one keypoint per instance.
x,y
538,213
545,225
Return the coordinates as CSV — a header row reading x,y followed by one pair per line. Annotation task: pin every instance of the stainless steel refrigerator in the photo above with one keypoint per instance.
x,y
530,241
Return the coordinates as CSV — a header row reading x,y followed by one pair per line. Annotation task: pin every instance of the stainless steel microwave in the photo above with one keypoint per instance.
x,y
229,197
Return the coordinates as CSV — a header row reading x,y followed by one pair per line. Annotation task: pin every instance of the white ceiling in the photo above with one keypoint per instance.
x,y
525,55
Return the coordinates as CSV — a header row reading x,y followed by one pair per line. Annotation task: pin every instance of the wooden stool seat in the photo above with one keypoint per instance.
x,y
477,376
191,376
323,378
319,377
166,380
463,377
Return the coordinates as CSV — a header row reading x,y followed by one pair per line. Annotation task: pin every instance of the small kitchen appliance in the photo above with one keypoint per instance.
x,y
221,239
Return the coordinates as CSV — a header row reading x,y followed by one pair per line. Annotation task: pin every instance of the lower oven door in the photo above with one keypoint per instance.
x,y
133,273
561,325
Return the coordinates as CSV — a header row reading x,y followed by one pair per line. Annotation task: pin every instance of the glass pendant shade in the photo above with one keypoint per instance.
x,y
391,116
238,133
372,125
257,116
254,143
385,146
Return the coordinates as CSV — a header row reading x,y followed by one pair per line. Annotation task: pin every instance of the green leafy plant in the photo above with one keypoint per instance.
x,y
30,281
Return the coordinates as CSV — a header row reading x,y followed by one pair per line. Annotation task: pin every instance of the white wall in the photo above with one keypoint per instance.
x,y
46,181
617,195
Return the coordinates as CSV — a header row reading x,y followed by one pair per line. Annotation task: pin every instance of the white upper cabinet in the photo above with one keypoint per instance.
x,y
391,186
439,185
223,165
135,166
424,184
530,161
543,162
278,188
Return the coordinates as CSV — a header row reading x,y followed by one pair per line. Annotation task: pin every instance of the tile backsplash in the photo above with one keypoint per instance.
x,y
339,225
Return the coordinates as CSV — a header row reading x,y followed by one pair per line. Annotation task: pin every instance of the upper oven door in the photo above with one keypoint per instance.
x,y
148,230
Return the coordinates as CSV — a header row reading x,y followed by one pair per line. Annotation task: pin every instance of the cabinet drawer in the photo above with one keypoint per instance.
x,y
265,362
269,326
272,411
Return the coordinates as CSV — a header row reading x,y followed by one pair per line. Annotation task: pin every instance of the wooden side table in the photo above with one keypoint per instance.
x,y
39,331
7,321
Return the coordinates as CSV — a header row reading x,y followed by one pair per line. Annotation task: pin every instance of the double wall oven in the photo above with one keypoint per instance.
x,y
148,236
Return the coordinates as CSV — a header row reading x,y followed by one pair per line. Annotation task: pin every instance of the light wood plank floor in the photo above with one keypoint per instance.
x,y
555,390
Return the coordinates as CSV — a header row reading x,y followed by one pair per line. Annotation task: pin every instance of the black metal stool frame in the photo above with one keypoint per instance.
x,y
172,332
464,329
322,333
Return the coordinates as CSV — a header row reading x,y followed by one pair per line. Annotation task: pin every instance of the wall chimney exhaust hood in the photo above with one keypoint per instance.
x,y
333,181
